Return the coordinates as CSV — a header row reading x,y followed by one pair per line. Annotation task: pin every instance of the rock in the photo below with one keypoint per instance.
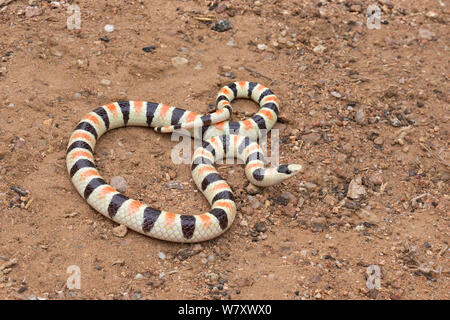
x,y
56,52
336,94
213,277
261,47
230,75
432,14
315,278
319,49
347,148
109,28
120,231
378,141
285,198
231,43
330,200
55,5
395,122
356,189
254,203
368,216
32,12
355,8
260,227
20,143
105,82
174,185
149,49
139,276
318,224
222,25
222,8
244,282
376,179
252,189
179,61
161,255
137,295
119,183
289,210
311,187
82,63
189,252
198,66
311,138
172,174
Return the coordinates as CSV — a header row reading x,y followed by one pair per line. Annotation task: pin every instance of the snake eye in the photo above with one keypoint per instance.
x,y
284,169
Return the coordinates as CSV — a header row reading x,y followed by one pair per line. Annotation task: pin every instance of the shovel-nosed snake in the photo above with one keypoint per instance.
x,y
221,138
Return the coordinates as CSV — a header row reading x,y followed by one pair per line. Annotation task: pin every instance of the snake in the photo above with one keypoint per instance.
x,y
219,137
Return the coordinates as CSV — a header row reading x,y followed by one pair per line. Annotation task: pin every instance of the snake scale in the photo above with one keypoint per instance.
x,y
220,138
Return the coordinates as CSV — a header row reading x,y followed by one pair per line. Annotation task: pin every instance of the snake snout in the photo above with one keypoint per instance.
x,y
295,168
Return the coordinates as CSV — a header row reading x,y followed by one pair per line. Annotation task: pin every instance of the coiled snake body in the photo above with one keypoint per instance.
x,y
221,138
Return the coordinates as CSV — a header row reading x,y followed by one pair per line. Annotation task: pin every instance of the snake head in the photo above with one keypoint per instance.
x,y
290,169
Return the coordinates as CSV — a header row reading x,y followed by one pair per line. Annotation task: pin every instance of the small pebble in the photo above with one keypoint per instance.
x,y
260,227
137,295
336,94
356,189
119,183
174,185
139,276
105,82
109,28
262,47
149,48
222,25
161,255
213,277
252,189
231,43
22,289
120,231
198,66
378,141
319,49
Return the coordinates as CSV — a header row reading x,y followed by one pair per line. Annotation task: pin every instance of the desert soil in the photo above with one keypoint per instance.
x,y
364,110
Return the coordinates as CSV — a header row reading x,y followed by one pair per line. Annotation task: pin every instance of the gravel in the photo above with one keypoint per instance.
x,y
222,25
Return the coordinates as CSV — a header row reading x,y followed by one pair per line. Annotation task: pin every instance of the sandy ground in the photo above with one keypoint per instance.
x,y
366,111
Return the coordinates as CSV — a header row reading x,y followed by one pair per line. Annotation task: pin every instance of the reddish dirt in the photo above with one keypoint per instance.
x,y
356,102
